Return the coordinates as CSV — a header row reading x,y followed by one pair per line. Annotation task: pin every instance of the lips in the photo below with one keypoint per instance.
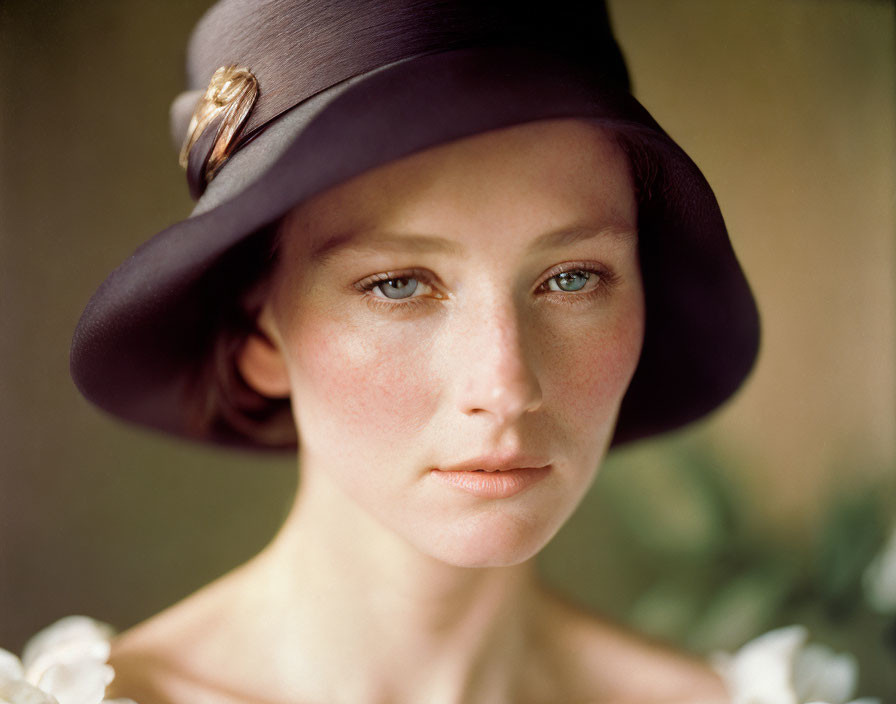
x,y
494,476
497,463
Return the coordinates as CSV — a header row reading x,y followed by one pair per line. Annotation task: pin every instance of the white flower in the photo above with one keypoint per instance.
x,y
779,668
63,664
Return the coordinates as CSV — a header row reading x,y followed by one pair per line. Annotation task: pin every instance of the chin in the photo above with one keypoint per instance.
x,y
489,541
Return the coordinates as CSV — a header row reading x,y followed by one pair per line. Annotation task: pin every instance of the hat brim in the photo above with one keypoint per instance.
x,y
135,343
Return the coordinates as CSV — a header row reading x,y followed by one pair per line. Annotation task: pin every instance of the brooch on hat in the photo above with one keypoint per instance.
x,y
216,123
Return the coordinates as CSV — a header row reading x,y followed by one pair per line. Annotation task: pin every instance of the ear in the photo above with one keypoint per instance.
x,y
261,363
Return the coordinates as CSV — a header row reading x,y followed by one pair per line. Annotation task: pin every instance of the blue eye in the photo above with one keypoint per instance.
x,y
401,287
415,286
569,281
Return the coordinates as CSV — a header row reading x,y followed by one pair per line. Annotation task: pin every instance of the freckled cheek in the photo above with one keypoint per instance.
x,y
364,381
593,370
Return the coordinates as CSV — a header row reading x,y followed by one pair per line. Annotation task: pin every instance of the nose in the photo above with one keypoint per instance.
x,y
493,365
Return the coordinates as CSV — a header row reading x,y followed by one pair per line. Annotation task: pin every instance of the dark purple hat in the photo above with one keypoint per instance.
x,y
334,88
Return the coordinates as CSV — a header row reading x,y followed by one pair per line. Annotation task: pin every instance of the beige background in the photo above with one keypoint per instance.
x,y
787,105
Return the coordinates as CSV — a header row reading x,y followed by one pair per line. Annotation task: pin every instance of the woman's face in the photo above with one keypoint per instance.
x,y
478,300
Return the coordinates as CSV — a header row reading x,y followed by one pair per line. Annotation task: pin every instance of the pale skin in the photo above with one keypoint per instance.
x,y
515,335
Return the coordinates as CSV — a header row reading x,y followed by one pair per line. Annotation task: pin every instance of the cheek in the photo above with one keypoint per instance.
x,y
593,371
356,382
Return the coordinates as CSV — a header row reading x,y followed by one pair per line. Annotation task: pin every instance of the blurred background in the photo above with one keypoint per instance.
x,y
774,511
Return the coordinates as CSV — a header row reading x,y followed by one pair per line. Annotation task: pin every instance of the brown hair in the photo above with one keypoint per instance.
x,y
220,399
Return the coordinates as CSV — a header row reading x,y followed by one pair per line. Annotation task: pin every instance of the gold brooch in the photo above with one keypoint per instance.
x,y
227,101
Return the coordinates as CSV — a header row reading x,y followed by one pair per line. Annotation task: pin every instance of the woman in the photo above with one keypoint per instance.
x,y
450,417
445,254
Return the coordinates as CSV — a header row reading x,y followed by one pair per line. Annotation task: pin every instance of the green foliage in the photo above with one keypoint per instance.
x,y
708,582
851,536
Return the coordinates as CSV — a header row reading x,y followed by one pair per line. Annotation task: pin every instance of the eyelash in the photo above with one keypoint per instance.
x,y
606,280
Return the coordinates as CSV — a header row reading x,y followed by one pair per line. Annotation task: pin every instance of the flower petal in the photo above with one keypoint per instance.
x,y
70,639
81,682
760,672
20,692
820,673
10,666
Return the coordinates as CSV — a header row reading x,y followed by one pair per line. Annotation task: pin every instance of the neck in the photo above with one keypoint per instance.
x,y
365,616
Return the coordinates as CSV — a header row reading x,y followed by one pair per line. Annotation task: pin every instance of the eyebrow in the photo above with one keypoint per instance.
x,y
423,244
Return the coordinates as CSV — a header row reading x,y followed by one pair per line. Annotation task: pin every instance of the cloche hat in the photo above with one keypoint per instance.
x,y
289,98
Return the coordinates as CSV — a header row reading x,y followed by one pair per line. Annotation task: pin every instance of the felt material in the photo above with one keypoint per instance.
x,y
297,49
136,345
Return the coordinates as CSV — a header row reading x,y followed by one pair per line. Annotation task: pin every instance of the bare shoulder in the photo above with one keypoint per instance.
x,y
155,661
606,662
148,669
